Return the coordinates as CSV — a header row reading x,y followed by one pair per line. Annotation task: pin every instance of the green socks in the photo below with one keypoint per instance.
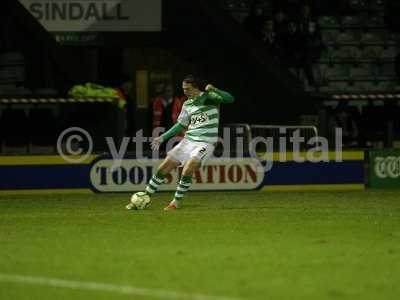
x,y
154,183
159,178
183,187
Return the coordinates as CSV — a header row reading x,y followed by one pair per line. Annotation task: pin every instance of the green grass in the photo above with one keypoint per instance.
x,y
248,245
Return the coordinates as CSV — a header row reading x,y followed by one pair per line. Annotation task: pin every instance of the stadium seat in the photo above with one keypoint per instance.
x,y
388,54
267,4
358,4
319,71
363,86
363,72
372,39
12,68
387,71
239,16
13,90
244,5
374,50
355,53
338,72
346,38
351,21
327,89
394,36
11,58
45,92
7,77
230,4
341,55
370,85
368,55
326,55
376,5
340,86
4,88
328,22
375,21
384,86
16,91
329,36
15,73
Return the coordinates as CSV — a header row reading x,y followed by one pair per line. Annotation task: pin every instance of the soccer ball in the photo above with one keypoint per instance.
x,y
139,201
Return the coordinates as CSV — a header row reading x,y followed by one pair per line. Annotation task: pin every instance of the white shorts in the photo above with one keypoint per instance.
x,y
187,149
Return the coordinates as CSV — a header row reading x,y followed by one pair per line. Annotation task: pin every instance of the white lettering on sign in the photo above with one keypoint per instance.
x,y
387,167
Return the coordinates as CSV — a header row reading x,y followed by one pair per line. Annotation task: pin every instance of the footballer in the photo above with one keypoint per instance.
x,y
200,118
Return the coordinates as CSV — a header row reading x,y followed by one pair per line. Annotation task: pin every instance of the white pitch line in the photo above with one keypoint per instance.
x,y
105,287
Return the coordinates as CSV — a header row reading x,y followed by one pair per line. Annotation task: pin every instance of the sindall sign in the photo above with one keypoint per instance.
x,y
96,15
217,174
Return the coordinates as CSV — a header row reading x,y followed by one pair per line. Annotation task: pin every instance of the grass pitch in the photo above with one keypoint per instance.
x,y
223,245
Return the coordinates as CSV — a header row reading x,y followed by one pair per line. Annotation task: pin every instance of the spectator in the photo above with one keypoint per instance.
x,y
166,108
344,119
158,90
177,107
269,37
161,108
312,40
309,28
281,24
305,18
293,46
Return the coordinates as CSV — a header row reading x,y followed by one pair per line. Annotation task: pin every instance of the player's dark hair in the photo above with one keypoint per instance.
x,y
194,81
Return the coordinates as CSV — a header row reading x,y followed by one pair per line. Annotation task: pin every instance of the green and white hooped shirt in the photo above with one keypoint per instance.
x,y
201,116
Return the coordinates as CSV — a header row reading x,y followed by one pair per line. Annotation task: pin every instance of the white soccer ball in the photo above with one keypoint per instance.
x,y
140,200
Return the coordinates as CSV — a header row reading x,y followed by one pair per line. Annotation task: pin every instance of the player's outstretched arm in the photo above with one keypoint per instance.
x,y
218,96
174,130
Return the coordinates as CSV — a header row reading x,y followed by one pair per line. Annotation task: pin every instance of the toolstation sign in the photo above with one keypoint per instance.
x,y
216,174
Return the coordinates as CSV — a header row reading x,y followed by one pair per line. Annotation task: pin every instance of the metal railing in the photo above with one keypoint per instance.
x,y
282,135
241,135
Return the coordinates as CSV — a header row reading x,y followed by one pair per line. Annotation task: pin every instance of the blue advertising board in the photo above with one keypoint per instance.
x,y
100,174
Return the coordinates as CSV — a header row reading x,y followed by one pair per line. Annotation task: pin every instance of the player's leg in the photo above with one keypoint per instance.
x,y
184,183
175,157
158,178
200,153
